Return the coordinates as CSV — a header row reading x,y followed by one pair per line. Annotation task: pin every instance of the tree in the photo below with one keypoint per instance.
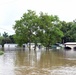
x,y
66,29
25,28
44,29
72,32
11,37
49,29
1,38
5,35
6,39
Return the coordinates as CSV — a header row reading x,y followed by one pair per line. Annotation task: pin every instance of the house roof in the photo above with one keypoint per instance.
x,y
70,43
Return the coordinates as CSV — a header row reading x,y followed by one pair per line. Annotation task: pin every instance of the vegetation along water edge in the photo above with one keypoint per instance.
x,y
1,52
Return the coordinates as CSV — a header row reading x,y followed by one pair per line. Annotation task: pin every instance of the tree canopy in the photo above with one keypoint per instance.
x,y
43,28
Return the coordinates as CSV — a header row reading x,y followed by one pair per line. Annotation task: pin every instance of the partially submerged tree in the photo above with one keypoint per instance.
x,y
25,28
44,29
50,29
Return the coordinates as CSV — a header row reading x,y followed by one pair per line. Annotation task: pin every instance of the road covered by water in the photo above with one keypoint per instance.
x,y
19,62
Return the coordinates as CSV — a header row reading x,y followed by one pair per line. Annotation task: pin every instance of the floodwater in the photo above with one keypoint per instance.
x,y
52,62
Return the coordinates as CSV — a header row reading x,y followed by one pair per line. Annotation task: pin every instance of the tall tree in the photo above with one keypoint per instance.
x,y
26,27
44,29
49,27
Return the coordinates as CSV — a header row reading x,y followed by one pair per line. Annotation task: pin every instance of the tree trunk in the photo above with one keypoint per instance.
x,y
29,46
35,46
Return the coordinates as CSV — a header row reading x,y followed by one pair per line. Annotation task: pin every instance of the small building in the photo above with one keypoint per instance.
x,y
10,46
71,45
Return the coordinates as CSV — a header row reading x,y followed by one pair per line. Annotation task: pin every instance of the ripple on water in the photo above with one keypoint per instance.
x,y
64,71
47,71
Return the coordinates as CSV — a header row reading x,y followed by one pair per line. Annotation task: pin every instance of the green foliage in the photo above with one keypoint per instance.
x,y
1,52
69,31
6,39
50,29
26,27
44,29
72,32
5,35
1,38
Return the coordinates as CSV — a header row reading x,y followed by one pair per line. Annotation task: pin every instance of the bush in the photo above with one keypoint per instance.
x,y
1,52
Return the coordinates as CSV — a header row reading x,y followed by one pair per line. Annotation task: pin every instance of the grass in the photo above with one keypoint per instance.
x,y
1,52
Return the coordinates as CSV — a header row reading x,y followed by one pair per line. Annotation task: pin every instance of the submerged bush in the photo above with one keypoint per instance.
x,y
1,52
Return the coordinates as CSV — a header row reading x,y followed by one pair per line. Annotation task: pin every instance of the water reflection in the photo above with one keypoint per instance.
x,y
7,64
70,55
19,62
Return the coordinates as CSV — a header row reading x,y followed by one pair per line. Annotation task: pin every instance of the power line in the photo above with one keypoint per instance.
x,y
6,29
4,3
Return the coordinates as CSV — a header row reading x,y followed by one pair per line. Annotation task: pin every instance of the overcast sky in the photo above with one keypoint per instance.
x,y
11,10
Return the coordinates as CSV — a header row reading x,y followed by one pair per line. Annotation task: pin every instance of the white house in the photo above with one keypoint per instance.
x,y
10,46
72,45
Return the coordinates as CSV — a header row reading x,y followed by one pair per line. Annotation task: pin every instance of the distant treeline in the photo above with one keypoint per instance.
x,y
5,38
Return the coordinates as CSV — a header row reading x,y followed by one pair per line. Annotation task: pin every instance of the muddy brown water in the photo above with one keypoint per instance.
x,y
40,62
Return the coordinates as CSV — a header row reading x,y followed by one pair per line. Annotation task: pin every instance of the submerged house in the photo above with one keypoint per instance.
x,y
10,46
70,45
